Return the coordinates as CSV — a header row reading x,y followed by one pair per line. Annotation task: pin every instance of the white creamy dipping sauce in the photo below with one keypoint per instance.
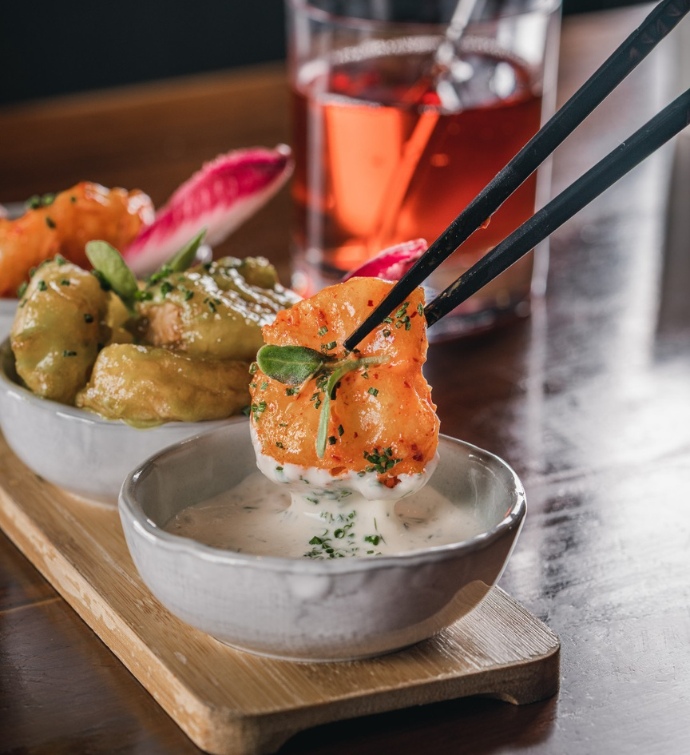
x,y
263,518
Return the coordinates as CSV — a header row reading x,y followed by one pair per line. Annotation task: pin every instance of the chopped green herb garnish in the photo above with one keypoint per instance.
x,y
402,319
322,330
42,285
88,318
50,222
373,391
67,353
36,201
258,409
381,462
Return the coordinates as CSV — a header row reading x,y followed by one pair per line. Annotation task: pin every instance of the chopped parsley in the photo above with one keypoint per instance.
x,y
258,409
381,461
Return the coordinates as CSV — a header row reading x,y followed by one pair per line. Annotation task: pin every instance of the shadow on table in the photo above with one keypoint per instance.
x,y
473,725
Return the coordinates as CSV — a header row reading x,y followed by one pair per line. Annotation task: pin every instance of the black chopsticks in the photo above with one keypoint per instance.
x,y
663,18
672,119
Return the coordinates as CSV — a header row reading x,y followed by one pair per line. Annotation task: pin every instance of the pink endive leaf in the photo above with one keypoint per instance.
x,y
392,263
219,197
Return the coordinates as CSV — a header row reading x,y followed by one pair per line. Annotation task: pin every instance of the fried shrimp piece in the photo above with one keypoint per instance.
x,y
146,385
58,330
214,311
381,416
86,211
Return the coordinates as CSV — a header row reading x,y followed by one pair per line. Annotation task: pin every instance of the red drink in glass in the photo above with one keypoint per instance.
x,y
388,148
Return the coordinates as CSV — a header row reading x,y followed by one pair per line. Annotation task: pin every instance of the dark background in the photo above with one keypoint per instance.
x,y
52,48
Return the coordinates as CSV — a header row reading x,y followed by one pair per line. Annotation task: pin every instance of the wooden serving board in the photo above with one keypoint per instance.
x,y
228,701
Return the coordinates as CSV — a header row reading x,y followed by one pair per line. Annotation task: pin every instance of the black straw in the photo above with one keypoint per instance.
x,y
656,132
663,18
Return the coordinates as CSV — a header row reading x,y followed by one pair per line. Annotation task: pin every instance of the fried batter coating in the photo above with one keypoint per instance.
x,y
86,211
382,417
146,385
215,311
58,330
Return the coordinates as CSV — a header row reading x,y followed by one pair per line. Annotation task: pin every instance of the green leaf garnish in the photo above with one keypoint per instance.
x,y
294,365
291,365
110,265
183,258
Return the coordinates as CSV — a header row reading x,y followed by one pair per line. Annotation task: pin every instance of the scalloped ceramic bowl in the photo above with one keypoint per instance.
x,y
315,610
77,450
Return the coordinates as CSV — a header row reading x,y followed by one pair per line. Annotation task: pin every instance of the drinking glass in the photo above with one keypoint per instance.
x,y
399,121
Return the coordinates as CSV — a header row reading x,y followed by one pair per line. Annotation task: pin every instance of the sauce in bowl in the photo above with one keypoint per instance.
x,y
262,518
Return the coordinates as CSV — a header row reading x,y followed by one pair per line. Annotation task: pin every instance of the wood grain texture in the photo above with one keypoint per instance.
x,y
232,702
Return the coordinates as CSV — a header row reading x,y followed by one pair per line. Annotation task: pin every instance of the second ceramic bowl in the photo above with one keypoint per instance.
x,y
316,610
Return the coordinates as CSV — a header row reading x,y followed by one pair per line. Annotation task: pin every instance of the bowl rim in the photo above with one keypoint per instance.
x,y
11,387
130,510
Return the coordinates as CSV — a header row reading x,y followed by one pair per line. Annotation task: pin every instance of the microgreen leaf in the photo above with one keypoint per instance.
x,y
290,364
183,258
110,265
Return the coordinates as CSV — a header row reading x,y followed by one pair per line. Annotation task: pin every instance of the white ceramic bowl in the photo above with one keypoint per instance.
x,y
303,609
8,307
77,450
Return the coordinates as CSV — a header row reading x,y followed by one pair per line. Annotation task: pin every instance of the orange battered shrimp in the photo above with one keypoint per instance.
x,y
86,211
382,416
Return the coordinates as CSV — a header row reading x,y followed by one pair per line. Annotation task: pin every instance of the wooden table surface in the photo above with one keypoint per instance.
x,y
589,400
